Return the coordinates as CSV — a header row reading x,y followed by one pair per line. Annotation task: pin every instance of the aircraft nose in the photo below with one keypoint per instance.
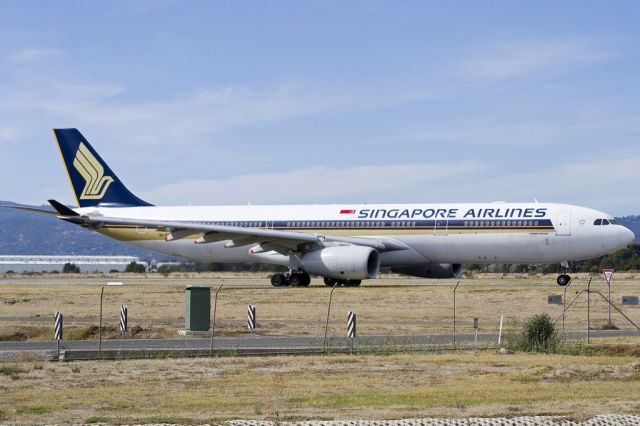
x,y
627,235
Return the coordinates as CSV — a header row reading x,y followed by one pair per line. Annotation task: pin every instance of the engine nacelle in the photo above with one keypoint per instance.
x,y
342,262
431,270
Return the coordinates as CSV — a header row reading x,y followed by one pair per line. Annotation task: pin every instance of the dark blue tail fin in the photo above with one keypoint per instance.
x,y
93,182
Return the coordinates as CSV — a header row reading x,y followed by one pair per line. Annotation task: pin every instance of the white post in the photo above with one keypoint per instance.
x,y
500,331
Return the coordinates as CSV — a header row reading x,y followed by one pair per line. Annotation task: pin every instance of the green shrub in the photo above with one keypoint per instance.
x,y
538,334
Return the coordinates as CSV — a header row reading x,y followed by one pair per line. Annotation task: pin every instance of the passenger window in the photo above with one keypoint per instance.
x,y
598,222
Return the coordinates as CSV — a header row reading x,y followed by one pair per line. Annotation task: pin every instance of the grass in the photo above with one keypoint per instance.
x,y
324,387
11,370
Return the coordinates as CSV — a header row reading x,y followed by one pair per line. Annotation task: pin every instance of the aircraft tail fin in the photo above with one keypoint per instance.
x,y
92,181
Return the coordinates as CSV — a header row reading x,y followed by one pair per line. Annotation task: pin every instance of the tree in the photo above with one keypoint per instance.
x,y
165,270
70,268
135,267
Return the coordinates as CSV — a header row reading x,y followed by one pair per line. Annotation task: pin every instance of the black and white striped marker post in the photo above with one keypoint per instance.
x,y
57,328
57,331
351,327
351,324
251,318
124,311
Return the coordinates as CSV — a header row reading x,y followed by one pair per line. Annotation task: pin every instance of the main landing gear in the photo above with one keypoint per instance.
x,y
330,282
564,279
293,279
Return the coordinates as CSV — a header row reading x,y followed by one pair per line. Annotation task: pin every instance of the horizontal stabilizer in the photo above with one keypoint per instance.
x,y
62,209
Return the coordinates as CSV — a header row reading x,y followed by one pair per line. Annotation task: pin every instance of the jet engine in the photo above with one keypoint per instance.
x,y
431,270
342,262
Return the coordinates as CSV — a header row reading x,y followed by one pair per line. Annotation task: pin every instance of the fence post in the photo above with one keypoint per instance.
x,y
564,305
454,314
326,325
589,312
476,325
213,322
100,325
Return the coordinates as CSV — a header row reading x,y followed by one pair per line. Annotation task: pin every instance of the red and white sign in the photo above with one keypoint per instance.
x,y
608,274
347,211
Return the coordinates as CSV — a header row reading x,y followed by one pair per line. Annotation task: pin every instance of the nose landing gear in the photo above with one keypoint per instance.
x,y
563,279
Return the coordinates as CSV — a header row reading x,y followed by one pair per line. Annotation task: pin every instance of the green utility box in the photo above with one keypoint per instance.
x,y
197,308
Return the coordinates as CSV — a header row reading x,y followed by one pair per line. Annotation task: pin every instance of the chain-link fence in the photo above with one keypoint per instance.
x,y
409,312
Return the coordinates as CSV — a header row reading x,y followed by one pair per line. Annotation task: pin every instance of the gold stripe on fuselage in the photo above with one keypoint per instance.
x,y
136,233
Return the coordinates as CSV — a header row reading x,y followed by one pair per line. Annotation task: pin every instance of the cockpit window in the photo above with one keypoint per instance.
x,y
612,221
598,222
605,222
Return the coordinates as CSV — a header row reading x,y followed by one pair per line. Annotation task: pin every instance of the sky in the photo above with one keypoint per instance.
x,y
282,102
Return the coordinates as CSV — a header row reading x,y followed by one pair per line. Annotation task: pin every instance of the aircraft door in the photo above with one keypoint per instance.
x,y
441,226
563,224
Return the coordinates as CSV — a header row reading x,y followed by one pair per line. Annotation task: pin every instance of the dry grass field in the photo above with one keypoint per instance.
x,y
320,387
388,306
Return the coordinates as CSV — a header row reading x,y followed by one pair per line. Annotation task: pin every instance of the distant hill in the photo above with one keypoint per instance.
x,y
32,233
633,223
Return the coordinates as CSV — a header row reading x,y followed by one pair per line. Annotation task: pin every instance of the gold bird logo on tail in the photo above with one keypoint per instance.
x,y
96,183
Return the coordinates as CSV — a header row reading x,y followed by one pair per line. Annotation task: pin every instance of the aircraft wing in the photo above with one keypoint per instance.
x,y
282,241
32,210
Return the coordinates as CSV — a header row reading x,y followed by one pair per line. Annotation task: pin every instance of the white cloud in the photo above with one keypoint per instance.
x,y
606,184
318,184
33,55
518,59
89,91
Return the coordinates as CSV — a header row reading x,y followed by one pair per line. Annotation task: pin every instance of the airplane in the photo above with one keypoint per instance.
x,y
343,243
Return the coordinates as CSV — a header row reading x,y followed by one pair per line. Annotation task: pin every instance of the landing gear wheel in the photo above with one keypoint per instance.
x,y
563,280
352,283
306,279
279,280
330,282
299,279
295,280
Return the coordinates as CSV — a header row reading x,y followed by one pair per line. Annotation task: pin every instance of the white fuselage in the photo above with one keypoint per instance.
x,y
532,233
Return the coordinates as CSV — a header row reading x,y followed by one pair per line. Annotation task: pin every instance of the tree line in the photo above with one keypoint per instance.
x,y
625,259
